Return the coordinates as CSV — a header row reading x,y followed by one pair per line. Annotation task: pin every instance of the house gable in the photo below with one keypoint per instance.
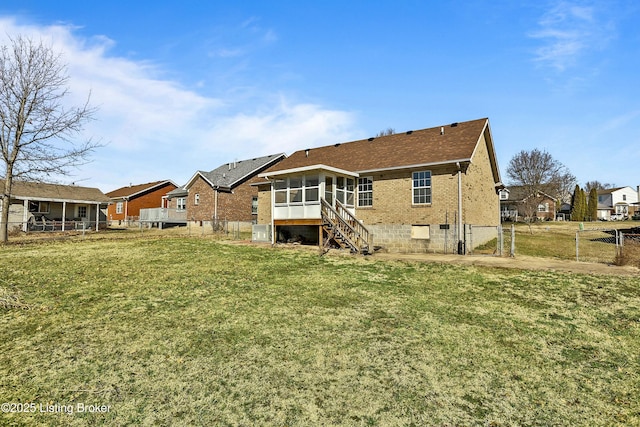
x,y
226,192
127,201
401,186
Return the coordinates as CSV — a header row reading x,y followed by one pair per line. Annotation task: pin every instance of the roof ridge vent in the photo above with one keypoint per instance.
x,y
370,139
454,124
337,145
409,132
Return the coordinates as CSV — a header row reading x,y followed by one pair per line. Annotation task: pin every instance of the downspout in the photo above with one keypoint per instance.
x,y
215,205
273,202
460,226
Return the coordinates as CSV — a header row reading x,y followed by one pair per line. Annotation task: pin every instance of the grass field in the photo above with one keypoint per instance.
x,y
558,240
190,331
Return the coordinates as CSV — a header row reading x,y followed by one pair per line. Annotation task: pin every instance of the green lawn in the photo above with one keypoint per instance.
x,y
190,331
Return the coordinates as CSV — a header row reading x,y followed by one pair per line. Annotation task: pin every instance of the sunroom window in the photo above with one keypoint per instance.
x,y
295,190
311,189
345,190
280,188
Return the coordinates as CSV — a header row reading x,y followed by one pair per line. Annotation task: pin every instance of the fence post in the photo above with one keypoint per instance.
x,y
500,240
512,253
577,245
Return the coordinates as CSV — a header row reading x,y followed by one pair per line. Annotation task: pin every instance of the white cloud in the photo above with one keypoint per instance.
x,y
155,129
567,31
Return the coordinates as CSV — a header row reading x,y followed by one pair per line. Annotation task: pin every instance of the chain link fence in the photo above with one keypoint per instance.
x,y
598,245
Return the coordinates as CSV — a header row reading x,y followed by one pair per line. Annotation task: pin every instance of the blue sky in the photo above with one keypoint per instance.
x,y
189,85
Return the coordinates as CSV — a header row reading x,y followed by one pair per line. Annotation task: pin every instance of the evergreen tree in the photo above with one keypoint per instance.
x,y
576,208
593,204
583,205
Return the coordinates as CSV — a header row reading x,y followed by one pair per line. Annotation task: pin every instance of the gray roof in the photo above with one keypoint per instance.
x,y
518,193
178,192
231,174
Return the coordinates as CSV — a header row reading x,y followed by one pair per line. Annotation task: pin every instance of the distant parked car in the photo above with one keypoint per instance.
x,y
636,216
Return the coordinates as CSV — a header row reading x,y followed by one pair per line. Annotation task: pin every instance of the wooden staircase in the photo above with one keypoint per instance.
x,y
344,229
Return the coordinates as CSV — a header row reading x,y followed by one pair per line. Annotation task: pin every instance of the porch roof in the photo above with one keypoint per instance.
x,y
43,192
310,168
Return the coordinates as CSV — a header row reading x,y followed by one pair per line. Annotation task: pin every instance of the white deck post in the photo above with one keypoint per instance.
x,y
25,215
97,216
64,214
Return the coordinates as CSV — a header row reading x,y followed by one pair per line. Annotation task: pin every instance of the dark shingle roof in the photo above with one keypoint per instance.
x,y
518,193
55,192
437,145
231,174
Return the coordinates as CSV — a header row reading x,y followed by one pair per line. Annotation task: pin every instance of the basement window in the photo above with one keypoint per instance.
x,y
420,232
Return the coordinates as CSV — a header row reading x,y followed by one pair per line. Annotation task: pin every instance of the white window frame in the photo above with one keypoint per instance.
x,y
365,191
424,178
196,199
284,192
181,203
119,207
543,207
254,205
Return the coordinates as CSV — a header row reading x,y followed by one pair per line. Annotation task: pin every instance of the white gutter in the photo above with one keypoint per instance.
x,y
338,171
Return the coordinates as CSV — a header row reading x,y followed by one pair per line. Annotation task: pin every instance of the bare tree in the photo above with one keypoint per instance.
x,y
388,131
38,130
538,171
589,185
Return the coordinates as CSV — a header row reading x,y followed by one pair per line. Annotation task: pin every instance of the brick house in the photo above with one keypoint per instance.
x,y
408,192
37,206
516,204
226,193
126,202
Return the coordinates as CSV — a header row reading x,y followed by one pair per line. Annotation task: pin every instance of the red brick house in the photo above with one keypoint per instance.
x,y
126,202
415,191
227,193
517,204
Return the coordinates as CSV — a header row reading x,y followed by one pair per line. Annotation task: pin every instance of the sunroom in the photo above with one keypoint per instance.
x,y
297,197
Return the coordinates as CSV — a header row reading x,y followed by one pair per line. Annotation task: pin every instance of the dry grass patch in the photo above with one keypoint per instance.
x,y
630,254
194,332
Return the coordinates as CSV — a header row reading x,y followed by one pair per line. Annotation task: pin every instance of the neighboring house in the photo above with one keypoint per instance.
x,y
226,193
48,207
126,202
517,204
414,191
617,203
